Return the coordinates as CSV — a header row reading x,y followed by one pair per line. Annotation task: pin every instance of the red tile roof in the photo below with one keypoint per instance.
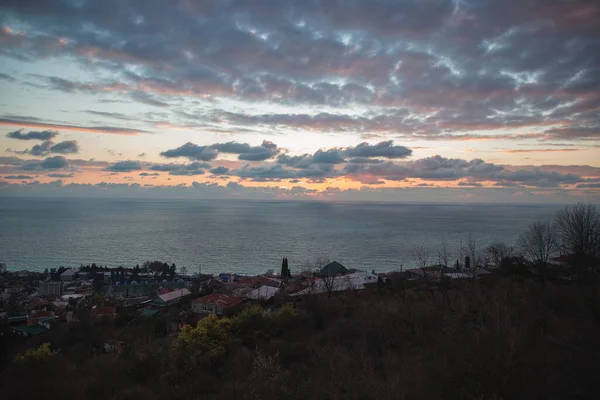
x,y
223,300
104,311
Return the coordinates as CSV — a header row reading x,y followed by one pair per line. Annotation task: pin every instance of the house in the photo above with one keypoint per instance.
x,y
333,269
101,312
33,318
262,293
216,303
68,275
136,301
38,304
13,289
26,330
258,281
170,297
51,288
37,322
114,346
148,312
337,283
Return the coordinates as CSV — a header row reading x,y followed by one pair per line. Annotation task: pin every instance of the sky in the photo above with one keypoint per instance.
x,y
366,100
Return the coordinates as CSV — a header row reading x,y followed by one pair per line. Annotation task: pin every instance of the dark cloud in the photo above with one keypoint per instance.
x,y
332,156
125,166
414,69
149,174
47,147
19,177
7,77
192,152
32,135
60,175
207,153
66,147
55,162
383,149
537,178
219,170
42,149
248,153
187,172
175,167
34,123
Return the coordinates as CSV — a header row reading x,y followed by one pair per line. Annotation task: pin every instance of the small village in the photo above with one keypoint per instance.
x,y
34,303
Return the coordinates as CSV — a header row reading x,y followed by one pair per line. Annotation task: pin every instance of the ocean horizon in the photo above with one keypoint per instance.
x,y
246,236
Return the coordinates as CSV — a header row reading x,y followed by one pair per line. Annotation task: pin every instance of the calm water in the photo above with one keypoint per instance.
x,y
239,236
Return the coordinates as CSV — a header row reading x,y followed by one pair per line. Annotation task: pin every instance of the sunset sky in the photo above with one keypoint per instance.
x,y
367,100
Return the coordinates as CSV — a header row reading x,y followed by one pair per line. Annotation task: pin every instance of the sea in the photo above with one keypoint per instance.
x,y
247,237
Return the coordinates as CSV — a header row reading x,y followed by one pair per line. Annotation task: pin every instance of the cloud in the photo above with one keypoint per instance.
x,y
7,77
207,153
78,128
385,149
55,162
332,156
219,170
66,147
187,172
47,147
40,149
455,69
19,177
248,153
60,175
149,174
32,135
192,152
124,166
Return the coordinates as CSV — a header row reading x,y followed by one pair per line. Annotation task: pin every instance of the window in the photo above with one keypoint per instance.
x,y
203,307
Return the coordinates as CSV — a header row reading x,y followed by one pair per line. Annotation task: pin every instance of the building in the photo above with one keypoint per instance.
x,y
68,275
337,283
262,293
38,304
51,288
170,297
333,269
99,313
216,303
37,322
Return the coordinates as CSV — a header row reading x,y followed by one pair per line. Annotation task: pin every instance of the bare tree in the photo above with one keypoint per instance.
x,y
421,256
316,265
475,254
444,255
578,229
496,252
539,243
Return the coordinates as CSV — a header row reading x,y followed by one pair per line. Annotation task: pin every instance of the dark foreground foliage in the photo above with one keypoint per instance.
x,y
498,338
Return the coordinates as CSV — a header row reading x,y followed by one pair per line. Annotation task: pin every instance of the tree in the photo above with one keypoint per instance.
x,y
421,256
172,270
539,243
42,352
285,269
496,252
578,229
183,271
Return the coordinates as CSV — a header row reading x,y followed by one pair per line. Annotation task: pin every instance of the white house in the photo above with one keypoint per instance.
x,y
262,293
354,281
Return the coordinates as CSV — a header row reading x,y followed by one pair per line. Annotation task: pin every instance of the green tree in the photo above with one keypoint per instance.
x,y
38,353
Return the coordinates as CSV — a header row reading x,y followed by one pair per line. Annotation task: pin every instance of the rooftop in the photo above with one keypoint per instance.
x,y
220,299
